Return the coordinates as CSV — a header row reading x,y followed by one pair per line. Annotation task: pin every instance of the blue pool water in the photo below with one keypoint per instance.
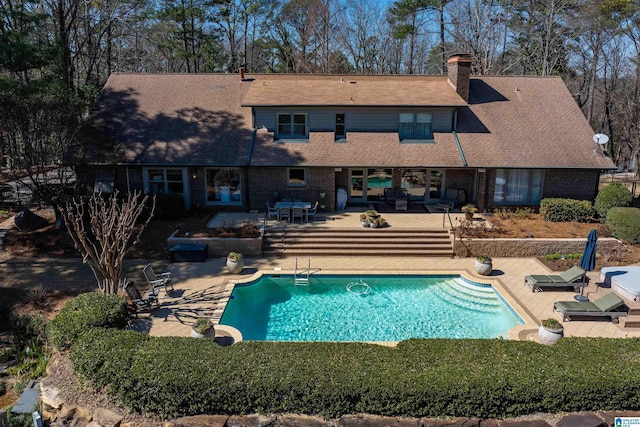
x,y
372,308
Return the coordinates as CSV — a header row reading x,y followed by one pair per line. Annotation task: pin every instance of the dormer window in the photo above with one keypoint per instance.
x,y
292,126
415,126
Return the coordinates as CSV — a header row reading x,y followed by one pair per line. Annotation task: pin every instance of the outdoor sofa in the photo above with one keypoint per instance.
x,y
573,277
610,305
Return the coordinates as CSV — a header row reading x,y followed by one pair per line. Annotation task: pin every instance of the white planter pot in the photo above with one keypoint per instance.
x,y
211,334
549,337
235,267
483,268
373,224
365,224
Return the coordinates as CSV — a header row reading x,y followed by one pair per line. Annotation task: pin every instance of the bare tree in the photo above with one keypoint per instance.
x,y
107,232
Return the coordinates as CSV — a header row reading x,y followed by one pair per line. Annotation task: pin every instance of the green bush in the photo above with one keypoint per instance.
x,y
419,378
168,206
624,223
559,210
612,196
88,310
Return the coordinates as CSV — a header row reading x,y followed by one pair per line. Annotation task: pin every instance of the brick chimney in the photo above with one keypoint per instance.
x,y
241,71
459,71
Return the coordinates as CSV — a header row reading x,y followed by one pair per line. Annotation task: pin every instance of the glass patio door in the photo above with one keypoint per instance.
x,y
366,185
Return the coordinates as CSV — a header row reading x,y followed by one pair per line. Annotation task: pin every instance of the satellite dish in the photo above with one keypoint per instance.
x,y
600,138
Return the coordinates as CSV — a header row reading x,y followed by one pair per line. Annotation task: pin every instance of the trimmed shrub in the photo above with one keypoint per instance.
x,y
175,376
168,206
625,223
90,310
611,196
559,210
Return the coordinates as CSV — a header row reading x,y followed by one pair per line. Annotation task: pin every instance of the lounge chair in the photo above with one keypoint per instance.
x,y
573,277
610,305
138,301
157,280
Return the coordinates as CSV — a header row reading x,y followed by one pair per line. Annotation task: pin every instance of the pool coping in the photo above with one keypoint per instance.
x,y
523,332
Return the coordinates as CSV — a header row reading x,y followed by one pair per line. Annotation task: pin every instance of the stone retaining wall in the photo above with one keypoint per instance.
x,y
217,246
467,247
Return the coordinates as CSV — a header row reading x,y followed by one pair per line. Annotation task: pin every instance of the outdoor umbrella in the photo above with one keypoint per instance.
x,y
588,261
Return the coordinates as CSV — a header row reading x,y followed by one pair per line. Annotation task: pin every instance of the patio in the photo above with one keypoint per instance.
x,y
202,289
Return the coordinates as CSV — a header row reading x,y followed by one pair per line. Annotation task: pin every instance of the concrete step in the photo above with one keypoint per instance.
x,y
360,252
356,242
630,322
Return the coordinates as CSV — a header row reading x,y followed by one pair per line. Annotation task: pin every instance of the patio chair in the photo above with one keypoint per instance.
x,y
284,213
450,199
610,305
312,211
298,213
573,277
272,212
156,280
140,303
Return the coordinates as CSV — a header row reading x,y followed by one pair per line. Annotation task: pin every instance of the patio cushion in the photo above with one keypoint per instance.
x,y
543,278
608,302
572,274
577,307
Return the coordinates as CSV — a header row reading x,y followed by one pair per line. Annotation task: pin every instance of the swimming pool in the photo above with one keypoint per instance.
x,y
369,308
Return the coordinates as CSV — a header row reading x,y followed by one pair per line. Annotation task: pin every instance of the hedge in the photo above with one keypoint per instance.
x,y
559,210
171,377
84,312
611,196
625,224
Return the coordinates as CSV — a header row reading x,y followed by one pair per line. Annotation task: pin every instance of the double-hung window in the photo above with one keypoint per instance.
x,y
415,126
292,126
518,186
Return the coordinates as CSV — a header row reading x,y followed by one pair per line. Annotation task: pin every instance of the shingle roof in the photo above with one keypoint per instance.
x,y
526,122
360,149
333,90
186,119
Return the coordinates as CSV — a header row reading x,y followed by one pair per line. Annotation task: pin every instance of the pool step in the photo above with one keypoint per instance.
x,y
463,294
283,241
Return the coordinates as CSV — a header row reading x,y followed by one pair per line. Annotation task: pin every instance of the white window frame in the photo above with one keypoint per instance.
x,y
291,134
413,125
185,182
296,184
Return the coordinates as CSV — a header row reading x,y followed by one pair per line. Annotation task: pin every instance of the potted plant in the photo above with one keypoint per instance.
x,y
235,262
550,331
364,221
203,328
484,265
469,210
381,222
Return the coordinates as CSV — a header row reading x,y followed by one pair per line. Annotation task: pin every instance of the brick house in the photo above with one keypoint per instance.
x,y
238,141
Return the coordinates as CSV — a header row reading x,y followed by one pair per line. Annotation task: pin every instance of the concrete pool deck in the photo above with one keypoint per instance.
x,y
202,289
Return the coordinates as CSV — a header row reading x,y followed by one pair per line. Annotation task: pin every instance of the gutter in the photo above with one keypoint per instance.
x,y
464,160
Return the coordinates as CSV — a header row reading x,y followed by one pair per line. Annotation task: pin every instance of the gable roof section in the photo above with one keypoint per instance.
x,y
360,149
186,119
526,122
351,90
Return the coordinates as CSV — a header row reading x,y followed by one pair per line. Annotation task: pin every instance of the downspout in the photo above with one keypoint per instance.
x,y
126,168
246,169
464,160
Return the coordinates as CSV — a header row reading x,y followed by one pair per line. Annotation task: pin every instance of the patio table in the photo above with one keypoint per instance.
x,y
305,206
